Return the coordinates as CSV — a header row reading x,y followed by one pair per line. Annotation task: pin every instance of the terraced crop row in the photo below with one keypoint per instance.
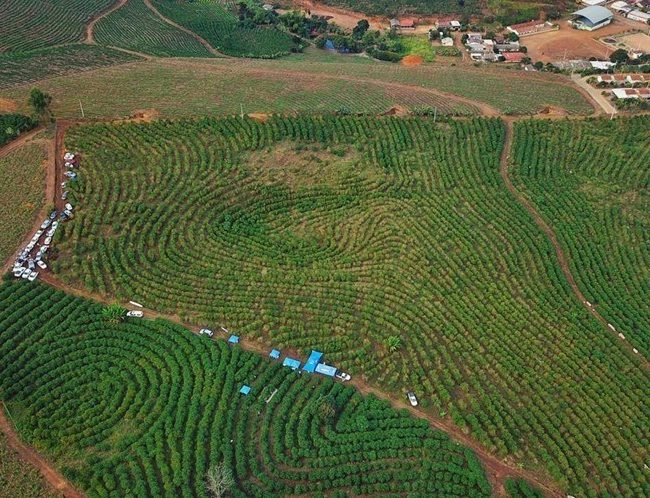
x,y
340,232
219,26
136,27
145,408
69,61
31,24
591,181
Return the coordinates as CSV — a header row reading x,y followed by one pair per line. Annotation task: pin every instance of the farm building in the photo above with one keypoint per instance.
x,y
632,93
636,79
513,56
593,2
591,18
638,15
450,25
611,78
602,65
530,27
621,7
402,23
507,47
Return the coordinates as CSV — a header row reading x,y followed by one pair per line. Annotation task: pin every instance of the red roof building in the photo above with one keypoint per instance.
x,y
407,23
513,56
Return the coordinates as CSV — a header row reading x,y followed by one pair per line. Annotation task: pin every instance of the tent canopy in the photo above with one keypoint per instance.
x,y
234,339
312,361
321,368
245,389
291,363
275,354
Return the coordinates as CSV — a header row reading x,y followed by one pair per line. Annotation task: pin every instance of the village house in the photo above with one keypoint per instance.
x,y
448,25
402,23
632,93
530,28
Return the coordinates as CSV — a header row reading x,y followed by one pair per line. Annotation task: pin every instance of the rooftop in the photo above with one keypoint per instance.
x,y
594,14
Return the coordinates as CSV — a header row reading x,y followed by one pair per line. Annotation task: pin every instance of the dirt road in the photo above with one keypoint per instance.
x,y
28,454
90,28
594,94
343,17
550,233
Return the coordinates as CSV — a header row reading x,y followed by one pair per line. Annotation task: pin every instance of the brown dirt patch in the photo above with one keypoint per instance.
x,y
553,111
412,60
7,105
144,115
397,110
262,117
343,17
570,43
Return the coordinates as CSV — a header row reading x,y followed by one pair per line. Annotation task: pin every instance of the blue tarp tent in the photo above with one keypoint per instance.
x,y
291,363
329,45
234,339
275,354
321,368
312,361
245,389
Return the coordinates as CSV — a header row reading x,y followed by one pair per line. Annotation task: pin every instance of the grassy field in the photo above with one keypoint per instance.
x,y
591,181
32,24
135,27
217,23
392,245
21,192
310,82
68,62
418,45
144,408
19,479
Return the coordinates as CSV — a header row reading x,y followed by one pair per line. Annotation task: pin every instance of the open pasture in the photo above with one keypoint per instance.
x,y
591,181
30,24
144,408
342,233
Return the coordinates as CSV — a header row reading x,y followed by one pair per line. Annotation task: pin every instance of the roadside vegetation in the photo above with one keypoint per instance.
x,y
145,408
19,479
590,180
340,233
12,125
393,8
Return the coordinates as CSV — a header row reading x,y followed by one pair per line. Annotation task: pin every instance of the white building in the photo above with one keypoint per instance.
x,y
591,18
637,15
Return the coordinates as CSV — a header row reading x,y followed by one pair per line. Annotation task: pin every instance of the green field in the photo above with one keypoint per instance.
x,y
144,408
135,27
21,192
591,182
313,82
404,7
216,23
68,62
31,24
344,233
12,125
17,478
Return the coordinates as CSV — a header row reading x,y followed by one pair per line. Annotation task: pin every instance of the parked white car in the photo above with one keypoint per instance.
x,y
45,224
343,376
48,240
68,156
135,314
41,264
412,399
68,206
32,276
18,272
207,332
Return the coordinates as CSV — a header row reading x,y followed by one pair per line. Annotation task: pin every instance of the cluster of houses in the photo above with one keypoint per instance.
x,y
636,85
498,49
636,10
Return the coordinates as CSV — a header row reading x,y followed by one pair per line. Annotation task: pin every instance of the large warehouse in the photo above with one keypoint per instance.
x,y
591,18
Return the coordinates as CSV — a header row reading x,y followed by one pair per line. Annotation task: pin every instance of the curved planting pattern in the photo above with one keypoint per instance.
x,y
30,24
341,233
590,180
215,22
145,408
136,27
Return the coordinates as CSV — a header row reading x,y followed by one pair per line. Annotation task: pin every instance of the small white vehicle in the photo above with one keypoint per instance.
x,y
64,195
26,273
68,156
207,332
18,272
69,165
48,240
43,249
135,314
70,174
412,399
45,224
55,225
41,264
53,215
343,376
68,213
32,276
68,206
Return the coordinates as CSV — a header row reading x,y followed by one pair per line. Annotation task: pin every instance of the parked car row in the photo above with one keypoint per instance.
x,y
71,162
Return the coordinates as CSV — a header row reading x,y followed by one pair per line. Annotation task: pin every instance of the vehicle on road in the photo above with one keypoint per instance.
x,y
18,272
343,376
68,206
41,264
32,276
412,399
135,314
47,240
46,224
207,332
64,195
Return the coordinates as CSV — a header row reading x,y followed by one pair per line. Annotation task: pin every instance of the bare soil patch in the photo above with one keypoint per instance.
x,y
412,60
262,117
569,43
636,41
144,115
7,105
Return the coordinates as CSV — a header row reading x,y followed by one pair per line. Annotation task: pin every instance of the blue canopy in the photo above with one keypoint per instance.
x,y
329,45
321,368
275,354
245,389
234,339
312,361
291,363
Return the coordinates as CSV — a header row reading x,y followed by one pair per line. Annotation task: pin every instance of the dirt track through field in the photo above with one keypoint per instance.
x,y
90,38
31,456
550,233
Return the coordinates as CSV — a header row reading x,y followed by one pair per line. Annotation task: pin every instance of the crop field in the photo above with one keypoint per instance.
x,y
31,24
595,190
219,26
19,479
307,82
404,7
68,62
145,408
344,233
135,27
21,192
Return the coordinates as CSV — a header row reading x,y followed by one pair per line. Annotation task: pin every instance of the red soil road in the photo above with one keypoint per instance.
x,y
90,39
31,456
343,17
